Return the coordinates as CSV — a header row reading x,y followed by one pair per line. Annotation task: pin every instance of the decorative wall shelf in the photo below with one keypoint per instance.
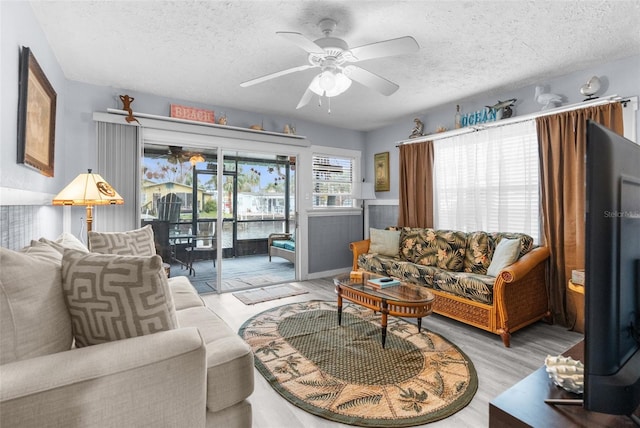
x,y
214,129
502,122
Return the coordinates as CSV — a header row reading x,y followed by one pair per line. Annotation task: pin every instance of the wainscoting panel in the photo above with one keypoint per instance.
x,y
381,216
329,238
19,224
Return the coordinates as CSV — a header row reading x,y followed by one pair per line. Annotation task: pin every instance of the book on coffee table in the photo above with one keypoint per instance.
x,y
383,282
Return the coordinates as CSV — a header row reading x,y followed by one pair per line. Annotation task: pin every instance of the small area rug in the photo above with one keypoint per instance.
x,y
343,374
264,294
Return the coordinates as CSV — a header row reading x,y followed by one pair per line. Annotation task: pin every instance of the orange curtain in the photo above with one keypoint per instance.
x,y
416,185
562,139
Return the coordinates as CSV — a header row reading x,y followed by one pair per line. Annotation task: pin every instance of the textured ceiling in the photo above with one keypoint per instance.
x,y
203,50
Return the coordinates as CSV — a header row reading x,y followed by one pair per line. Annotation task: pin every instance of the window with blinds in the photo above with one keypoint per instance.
x,y
332,181
489,180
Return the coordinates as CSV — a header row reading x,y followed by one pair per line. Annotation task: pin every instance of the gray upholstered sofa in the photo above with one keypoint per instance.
x,y
181,365
471,283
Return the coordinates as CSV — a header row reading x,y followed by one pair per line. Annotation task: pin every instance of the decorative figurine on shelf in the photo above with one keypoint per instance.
x,y
417,130
591,88
503,108
458,117
547,100
287,129
223,119
126,106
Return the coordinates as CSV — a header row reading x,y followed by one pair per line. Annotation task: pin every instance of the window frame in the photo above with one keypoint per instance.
x,y
355,157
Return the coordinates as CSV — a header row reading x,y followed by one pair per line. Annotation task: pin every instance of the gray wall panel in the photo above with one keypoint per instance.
x,y
329,239
381,216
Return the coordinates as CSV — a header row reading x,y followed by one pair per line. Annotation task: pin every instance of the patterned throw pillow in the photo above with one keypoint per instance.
x,y
138,242
113,297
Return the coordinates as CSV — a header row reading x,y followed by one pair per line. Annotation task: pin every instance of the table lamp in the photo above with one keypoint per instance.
x,y
88,189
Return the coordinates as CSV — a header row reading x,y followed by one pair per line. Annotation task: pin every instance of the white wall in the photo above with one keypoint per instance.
x,y
618,77
19,28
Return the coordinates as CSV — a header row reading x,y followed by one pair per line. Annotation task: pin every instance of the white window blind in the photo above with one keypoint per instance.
x,y
332,181
489,180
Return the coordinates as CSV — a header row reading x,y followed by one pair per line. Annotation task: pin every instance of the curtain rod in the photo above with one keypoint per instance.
x,y
512,120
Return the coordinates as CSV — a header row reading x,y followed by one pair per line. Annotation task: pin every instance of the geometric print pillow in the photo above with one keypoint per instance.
x,y
112,297
138,242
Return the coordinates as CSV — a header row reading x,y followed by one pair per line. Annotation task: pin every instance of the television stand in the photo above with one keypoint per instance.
x,y
525,405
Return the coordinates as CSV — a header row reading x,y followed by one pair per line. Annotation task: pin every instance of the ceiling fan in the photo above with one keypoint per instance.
x,y
334,58
177,155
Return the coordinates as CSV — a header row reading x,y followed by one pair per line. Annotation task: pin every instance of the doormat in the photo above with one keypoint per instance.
x,y
343,374
264,294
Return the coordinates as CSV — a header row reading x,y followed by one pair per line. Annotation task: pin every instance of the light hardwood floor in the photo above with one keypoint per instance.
x,y
498,367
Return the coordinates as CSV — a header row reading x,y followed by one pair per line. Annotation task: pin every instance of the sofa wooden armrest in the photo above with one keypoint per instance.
x,y
524,264
520,293
357,248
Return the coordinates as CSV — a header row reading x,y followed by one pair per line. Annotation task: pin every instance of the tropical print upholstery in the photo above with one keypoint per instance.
x,y
428,247
447,260
480,248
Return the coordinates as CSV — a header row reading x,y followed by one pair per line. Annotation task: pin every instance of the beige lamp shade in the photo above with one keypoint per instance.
x,y
88,189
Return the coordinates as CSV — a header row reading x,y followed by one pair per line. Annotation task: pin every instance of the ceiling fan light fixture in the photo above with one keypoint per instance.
x,y
327,80
340,84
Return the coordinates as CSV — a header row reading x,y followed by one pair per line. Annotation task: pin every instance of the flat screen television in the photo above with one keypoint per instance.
x,y
612,273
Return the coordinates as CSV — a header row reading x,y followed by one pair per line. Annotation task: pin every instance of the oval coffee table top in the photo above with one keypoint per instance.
x,y
405,292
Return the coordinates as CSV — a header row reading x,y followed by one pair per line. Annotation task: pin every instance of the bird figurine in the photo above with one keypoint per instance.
x,y
546,99
590,88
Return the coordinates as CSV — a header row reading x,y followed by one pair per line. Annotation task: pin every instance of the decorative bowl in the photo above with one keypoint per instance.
x,y
566,372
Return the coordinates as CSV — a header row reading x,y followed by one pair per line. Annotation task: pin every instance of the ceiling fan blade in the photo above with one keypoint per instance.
x,y
306,97
399,46
301,41
370,80
274,75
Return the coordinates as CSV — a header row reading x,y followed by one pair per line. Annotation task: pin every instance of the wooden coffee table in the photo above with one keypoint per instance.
x,y
404,300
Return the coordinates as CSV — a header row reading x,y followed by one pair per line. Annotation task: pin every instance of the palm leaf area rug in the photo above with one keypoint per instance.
x,y
343,374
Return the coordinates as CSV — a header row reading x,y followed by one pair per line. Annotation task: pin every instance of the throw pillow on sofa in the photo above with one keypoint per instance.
x,y
138,242
479,252
113,297
34,320
384,242
507,252
65,241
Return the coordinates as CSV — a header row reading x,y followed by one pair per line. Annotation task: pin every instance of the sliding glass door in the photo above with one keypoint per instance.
x,y
259,204
215,221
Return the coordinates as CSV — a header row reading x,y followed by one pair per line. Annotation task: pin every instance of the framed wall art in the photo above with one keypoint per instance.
x,y
381,167
36,116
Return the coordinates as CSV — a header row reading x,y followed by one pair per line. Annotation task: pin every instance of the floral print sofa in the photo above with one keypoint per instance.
x,y
454,266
